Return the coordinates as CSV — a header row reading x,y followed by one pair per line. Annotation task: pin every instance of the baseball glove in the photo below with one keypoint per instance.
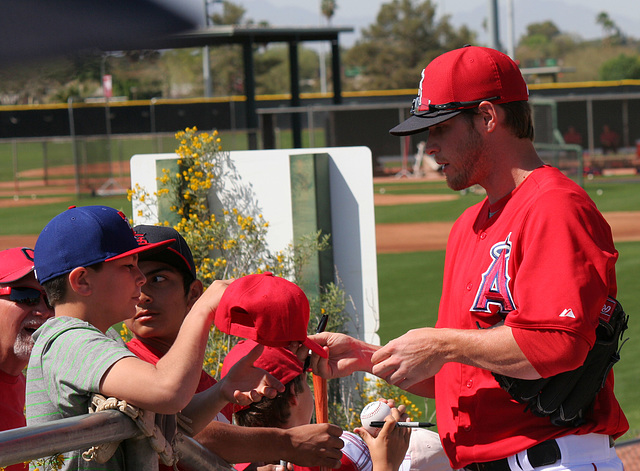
x,y
566,398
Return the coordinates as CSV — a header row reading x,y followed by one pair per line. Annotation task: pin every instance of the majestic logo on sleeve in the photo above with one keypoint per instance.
x,y
494,294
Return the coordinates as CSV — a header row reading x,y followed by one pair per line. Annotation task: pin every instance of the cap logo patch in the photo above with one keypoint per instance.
x,y
140,238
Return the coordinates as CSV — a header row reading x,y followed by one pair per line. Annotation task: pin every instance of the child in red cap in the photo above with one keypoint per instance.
x,y
391,450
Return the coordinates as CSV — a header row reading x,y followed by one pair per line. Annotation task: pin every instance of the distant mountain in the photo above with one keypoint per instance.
x,y
576,19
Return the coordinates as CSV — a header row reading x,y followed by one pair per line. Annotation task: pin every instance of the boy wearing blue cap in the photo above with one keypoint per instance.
x,y
86,259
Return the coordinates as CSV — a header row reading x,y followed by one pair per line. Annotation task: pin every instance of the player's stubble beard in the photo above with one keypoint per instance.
x,y
470,158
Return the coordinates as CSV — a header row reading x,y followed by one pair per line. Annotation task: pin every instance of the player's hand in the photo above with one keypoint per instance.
x,y
211,297
389,447
245,383
315,445
411,358
401,408
345,355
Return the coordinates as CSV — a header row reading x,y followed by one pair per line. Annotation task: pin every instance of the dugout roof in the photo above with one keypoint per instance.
x,y
248,37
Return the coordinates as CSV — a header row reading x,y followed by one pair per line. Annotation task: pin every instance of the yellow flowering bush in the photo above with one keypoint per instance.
x,y
227,242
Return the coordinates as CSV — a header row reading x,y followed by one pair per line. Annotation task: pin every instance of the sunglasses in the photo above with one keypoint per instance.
x,y
451,106
28,296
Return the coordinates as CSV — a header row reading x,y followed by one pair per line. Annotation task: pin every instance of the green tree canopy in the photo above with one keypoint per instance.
x,y
405,38
620,68
544,42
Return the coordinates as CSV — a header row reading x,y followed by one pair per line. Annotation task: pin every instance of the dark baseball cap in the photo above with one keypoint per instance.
x,y
462,79
84,236
177,253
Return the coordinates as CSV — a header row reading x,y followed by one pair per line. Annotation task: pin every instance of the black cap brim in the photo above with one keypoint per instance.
x,y
415,124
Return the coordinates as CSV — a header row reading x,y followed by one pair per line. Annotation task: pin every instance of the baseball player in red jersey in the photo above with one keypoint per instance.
x,y
527,272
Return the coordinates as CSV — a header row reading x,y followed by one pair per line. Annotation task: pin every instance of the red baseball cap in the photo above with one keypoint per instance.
x,y
279,362
267,309
461,79
15,263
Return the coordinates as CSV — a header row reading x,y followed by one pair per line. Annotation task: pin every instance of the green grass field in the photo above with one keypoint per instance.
x,y
410,283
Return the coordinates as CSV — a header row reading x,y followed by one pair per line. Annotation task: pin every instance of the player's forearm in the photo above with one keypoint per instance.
x,y
491,349
426,388
180,368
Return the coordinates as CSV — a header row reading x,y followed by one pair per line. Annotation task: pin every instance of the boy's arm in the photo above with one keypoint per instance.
x,y
243,384
168,386
305,445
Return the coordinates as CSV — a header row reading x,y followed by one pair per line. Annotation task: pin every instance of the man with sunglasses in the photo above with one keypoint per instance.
x,y
23,308
529,274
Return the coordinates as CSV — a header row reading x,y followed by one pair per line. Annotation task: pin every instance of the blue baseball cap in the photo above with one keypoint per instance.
x,y
83,236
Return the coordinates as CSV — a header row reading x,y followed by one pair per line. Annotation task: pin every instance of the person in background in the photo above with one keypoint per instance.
x,y
572,136
609,140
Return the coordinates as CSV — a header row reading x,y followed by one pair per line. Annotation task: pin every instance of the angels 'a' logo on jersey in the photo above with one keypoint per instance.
x,y
494,294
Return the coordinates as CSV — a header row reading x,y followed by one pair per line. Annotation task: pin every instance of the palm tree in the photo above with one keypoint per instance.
x,y
328,8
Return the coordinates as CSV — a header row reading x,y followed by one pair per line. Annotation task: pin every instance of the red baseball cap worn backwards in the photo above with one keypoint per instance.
x,y
267,309
462,79
15,263
279,362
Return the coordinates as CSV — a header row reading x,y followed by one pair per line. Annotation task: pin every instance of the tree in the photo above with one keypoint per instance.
x,y
543,42
328,8
404,39
620,68
272,70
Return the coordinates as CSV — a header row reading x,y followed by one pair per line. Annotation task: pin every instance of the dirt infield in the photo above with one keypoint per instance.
x,y
418,237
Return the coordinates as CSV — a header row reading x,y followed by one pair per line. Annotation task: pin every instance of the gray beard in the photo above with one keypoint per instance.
x,y
22,346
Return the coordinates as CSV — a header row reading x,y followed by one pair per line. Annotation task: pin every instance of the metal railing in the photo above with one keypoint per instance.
x,y
82,432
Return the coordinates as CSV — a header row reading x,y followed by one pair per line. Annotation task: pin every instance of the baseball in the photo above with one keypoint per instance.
x,y
374,411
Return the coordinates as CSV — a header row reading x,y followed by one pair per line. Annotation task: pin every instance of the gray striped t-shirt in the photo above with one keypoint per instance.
x,y
68,361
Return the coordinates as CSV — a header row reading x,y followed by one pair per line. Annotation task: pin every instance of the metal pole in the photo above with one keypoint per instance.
x,y
294,75
511,35
494,33
74,144
45,163
73,433
14,149
310,125
335,70
152,120
206,60
590,128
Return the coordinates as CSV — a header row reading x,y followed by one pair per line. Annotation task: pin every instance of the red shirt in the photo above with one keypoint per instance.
x,y
12,397
546,249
